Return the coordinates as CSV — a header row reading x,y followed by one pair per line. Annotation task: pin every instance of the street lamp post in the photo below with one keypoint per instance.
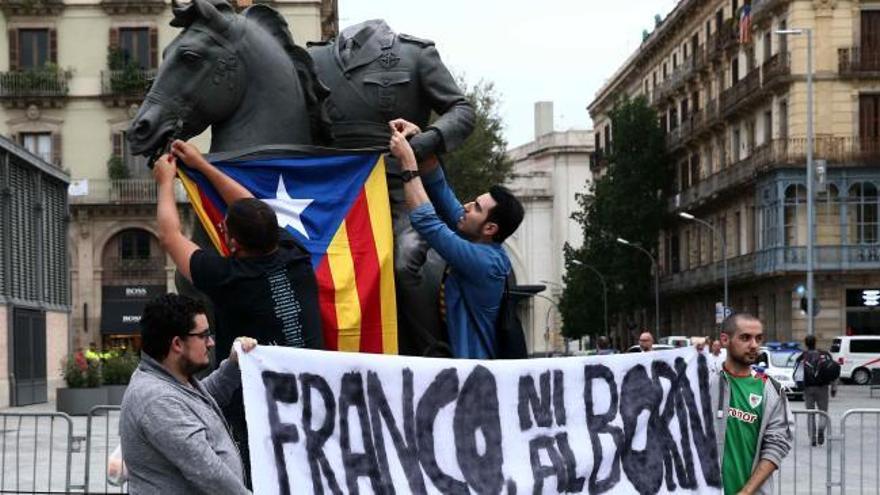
x,y
656,267
688,216
810,179
604,290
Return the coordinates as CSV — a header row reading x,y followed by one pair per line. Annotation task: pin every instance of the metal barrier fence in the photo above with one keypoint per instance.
x,y
853,451
806,465
36,451
101,442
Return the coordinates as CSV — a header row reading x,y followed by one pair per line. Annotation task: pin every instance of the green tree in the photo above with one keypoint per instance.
x,y
481,161
628,201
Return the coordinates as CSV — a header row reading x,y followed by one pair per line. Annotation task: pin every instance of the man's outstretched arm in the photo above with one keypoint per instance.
x,y
170,236
230,190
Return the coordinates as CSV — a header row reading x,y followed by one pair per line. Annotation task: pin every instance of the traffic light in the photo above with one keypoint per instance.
x,y
815,306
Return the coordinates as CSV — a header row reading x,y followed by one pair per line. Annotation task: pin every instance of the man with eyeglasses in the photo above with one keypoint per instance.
x,y
174,436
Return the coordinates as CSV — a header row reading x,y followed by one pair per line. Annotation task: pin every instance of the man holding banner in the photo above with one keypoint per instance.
x,y
468,238
173,433
753,420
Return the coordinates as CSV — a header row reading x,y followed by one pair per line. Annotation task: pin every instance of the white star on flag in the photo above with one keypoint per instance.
x,y
287,209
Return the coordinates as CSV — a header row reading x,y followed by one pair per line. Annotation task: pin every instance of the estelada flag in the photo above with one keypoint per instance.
x,y
337,207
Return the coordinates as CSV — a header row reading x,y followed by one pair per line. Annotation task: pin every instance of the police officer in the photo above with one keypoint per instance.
x,y
376,75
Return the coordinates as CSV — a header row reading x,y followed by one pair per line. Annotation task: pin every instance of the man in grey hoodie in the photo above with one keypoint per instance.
x,y
174,436
753,421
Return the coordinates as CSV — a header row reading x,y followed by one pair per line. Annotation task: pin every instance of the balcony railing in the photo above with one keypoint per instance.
x,y
775,70
745,90
775,260
33,83
762,9
126,82
738,268
673,137
124,191
151,268
700,59
854,61
779,153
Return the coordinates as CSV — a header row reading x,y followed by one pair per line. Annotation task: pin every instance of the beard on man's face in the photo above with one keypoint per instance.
x,y
745,357
190,367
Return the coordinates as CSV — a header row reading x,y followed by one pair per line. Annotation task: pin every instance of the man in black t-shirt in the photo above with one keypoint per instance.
x,y
266,289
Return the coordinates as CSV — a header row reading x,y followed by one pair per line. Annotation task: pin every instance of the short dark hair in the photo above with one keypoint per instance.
x,y
253,224
507,214
731,323
810,342
166,317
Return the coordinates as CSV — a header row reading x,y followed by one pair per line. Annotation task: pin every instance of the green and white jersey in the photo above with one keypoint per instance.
x,y
743,427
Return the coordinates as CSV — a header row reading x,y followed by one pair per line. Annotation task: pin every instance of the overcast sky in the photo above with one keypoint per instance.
x,y
559,50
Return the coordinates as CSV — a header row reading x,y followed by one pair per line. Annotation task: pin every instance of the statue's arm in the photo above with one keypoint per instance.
x,y
456,121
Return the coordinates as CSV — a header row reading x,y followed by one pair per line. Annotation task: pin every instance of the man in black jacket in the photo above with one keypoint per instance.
x,y
266,289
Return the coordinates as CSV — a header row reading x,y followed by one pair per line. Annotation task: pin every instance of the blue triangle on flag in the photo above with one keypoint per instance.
x,y
333,183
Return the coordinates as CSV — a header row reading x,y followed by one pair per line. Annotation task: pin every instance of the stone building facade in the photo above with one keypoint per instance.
x,y
734,107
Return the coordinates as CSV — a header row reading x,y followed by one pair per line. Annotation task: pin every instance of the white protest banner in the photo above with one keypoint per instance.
x,y
341,423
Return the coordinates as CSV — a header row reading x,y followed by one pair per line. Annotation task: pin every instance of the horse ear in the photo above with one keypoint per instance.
x,y
184,15
214,16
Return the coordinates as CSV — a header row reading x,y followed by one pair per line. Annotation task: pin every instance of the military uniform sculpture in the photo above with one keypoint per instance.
x,y
376,75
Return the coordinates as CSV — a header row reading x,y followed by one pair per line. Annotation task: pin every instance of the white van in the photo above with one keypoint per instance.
x,y
857,355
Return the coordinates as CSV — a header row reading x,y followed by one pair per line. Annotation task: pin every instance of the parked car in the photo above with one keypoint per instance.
x,y
857,355
675,341
657,347
777,361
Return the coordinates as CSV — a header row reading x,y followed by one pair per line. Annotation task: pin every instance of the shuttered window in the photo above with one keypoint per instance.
x,y
23,276
57,288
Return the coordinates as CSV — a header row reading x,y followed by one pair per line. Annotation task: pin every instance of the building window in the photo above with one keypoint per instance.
x,y
768,126
134,44
828,217
33,48
38,143
862,213
869,122
134,245
607,133
795,215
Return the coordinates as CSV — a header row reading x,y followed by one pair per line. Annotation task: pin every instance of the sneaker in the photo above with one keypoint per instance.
x,y
821,438
814,443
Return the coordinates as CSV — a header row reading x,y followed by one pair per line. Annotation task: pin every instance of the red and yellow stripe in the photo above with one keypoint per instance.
x,y
356,278
206,211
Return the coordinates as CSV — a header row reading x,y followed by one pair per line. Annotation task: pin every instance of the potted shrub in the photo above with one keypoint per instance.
x,y
116,372
83,377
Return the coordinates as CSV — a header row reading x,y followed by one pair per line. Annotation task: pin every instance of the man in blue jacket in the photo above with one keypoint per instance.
x,y
468,237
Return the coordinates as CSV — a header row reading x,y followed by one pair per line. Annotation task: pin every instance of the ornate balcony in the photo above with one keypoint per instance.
x,y
855,62
673,138
126,86
741,94
152,269
764,9
779,153
776,71
31,7
21,88
120,192
774,261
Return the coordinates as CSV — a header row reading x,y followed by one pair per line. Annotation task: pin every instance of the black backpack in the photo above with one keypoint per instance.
x,y
509,334
819,368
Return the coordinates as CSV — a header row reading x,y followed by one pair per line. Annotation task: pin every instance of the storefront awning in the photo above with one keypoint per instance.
x,y
122,306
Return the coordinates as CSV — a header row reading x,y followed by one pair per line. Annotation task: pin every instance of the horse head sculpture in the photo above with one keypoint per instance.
x,y
240,74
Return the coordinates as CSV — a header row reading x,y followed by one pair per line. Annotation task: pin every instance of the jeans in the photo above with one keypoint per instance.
x,y
816,397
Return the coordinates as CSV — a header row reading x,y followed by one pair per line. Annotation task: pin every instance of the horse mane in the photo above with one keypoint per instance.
x,y
314,91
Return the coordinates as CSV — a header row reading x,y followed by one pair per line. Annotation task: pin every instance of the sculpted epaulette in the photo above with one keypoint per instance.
x,y
412,39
